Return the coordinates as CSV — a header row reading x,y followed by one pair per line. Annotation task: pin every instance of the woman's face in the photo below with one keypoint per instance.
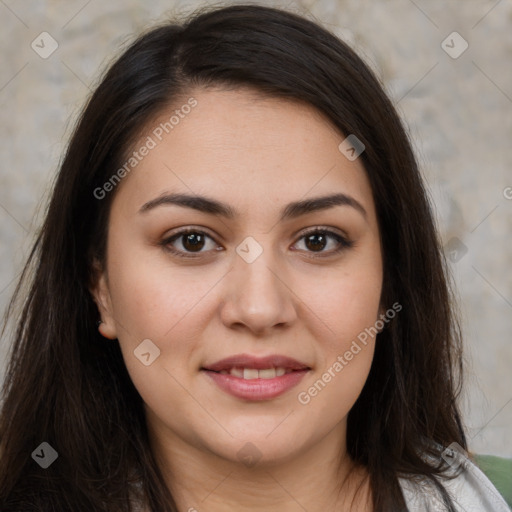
x,y
249,282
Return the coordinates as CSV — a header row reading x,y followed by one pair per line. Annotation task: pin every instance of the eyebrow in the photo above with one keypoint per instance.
x,y
292,210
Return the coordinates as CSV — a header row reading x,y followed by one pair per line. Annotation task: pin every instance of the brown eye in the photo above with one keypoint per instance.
x,y
193,241
318,239
188,243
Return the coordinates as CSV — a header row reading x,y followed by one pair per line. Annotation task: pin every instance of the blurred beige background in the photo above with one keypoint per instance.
x,y
457,103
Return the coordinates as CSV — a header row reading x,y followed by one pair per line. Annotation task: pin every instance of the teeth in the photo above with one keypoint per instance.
x,y
267,374
252,373
237,372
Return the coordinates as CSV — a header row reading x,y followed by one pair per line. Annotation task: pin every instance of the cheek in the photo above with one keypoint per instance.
x,y
348,304
347,301
163,305
152,298
333,392
344,356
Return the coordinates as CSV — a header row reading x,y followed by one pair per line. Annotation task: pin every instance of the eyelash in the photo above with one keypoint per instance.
x,y
344,242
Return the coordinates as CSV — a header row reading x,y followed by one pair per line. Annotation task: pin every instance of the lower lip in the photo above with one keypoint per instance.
x,y
256,389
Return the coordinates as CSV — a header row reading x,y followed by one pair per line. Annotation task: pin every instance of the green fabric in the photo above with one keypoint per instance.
x,y
499,471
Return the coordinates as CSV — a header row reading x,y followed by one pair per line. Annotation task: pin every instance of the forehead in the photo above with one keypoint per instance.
x,y
252,151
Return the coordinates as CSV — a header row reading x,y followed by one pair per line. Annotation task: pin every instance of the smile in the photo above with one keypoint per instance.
x,y
253,373
254,378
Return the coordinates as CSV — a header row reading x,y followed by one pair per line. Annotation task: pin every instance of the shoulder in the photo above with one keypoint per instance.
x,y
468,487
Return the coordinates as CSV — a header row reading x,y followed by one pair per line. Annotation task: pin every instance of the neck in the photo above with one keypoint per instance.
x,y
318,478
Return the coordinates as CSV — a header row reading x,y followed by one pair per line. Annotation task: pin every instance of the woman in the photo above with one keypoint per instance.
x,y
238,298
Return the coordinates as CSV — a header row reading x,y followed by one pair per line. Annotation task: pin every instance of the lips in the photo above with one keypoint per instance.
x,y
246,361
256,378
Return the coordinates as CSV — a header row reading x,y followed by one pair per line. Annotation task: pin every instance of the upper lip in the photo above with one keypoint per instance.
x,y
257,363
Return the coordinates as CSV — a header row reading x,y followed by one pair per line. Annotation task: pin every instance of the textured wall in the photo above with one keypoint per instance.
x,y
457,102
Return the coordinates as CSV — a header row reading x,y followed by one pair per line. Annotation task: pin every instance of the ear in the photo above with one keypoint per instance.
x,y
101,295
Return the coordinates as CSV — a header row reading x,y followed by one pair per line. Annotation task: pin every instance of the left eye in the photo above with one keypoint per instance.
x,y
192,242
318,239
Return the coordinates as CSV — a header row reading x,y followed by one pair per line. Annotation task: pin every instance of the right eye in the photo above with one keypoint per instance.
x,y
192,241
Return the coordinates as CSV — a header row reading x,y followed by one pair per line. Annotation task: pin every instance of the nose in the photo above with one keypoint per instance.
x,y
257,296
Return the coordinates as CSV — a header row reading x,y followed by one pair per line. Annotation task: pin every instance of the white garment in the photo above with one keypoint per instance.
x,y
471,491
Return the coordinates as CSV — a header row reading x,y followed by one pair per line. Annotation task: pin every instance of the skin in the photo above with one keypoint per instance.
x,y
256,154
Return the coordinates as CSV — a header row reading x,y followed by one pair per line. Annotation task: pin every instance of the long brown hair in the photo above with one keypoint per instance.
x,y
67,386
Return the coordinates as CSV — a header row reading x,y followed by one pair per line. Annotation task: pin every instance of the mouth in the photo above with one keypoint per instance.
x,y
253,378
254,373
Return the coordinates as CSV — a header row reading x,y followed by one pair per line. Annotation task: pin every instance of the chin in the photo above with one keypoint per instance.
x,y
259,450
